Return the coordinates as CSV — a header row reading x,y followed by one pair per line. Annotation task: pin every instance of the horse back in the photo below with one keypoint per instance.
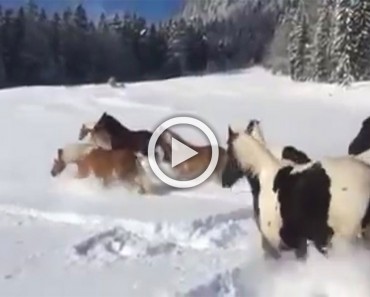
x,y
137,141
106,162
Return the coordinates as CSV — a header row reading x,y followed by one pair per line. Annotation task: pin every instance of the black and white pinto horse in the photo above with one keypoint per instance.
x,y
232,172
319,201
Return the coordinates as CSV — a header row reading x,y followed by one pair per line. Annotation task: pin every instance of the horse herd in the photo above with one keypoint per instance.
x,y
296,200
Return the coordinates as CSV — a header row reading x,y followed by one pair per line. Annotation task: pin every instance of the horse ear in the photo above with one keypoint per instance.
x,y
60,153
231,132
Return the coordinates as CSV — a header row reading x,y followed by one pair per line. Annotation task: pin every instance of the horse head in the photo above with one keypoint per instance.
x,y
83,132
232,172
109,124
254,129
58,165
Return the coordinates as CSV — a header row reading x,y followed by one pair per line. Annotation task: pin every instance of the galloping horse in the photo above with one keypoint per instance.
x,y
316,200
104,164
123,138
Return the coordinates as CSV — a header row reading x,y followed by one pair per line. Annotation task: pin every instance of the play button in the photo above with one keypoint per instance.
x,y
180,152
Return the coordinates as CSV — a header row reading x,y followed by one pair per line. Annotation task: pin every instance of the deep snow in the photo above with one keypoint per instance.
x,y
65,237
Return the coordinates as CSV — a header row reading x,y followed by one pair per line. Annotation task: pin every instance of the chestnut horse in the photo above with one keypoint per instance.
x,y
123,138
197,164
104,164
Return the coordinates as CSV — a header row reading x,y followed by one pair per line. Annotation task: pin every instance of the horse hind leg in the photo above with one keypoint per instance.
x,y
269,251
143,183
365,225
82,171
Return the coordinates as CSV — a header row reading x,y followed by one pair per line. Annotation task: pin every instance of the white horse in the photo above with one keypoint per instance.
x,y
296,203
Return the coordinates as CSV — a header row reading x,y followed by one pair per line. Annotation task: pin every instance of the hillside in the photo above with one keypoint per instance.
x,y
209,10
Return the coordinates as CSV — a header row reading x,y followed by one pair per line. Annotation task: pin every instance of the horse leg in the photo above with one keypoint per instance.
x,y
269,251
107,180
321,235
82,170
142,181
301,251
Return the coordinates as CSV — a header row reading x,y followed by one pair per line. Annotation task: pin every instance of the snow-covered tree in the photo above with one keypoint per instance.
x,y
298,46
361,32
321,52
344,45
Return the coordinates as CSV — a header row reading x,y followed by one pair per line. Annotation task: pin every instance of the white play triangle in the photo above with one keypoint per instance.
x,y
180,152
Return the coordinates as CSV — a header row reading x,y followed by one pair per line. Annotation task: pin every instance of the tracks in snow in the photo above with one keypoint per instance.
x,y
114,239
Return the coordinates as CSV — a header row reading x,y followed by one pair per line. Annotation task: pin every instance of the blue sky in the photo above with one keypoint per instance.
x,y
153,10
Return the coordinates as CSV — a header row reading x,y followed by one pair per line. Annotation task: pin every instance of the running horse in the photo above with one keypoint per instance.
x,y
122,137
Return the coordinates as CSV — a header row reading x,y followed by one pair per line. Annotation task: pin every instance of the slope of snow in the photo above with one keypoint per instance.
x,y
209,10
66,237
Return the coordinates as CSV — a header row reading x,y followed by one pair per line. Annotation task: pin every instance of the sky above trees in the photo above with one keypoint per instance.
x,y
152,10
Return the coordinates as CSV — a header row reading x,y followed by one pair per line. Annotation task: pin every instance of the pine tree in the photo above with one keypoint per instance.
x,y
55,42
103,25
344,45
299,45
80,19
32,9
361,33
321,52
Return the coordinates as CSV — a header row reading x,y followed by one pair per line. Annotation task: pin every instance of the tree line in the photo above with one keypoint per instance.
x,y
69,48
336,48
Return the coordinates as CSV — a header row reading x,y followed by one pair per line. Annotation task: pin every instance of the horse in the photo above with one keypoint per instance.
x,y
361,142
99,138
123,138
196,165
319,201
232,173
106,165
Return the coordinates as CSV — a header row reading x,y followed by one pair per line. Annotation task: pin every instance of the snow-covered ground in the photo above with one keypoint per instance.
x,y
65,237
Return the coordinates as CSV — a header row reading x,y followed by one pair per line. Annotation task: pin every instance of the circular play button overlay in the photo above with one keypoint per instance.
x,y
180,152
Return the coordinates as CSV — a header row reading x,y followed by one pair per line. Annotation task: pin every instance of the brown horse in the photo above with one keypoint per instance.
x,y
123,138
104,164
197,164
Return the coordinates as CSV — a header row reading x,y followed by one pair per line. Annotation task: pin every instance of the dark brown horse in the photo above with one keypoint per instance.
x,y
123,138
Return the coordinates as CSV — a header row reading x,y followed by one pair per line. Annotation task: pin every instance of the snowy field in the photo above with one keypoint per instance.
x,y
65,237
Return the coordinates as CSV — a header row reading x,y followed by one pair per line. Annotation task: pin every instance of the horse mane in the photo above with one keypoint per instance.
x,y
288,153
252,155
254,129
112,124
